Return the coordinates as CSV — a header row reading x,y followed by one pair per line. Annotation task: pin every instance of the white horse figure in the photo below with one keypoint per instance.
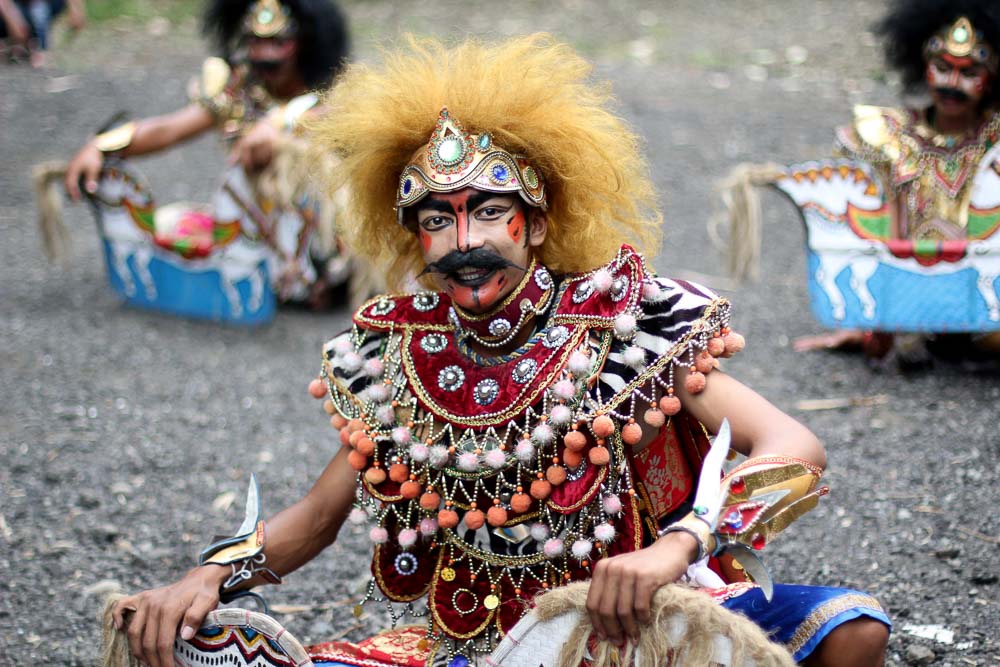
x,y
833,194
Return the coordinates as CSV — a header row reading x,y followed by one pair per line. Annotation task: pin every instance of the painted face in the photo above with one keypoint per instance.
x,y
477,244
273,59
957,84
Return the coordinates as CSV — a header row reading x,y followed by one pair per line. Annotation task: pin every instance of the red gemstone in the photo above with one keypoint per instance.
x,y
757,541
737,485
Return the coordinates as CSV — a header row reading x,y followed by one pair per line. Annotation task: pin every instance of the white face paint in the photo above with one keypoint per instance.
x,y
962,75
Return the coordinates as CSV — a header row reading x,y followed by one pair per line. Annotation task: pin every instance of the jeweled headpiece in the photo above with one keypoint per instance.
x,y
455,159
269,18
962,40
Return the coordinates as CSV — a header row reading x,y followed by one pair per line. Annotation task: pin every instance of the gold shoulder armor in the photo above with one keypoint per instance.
x,y
877,129
214,76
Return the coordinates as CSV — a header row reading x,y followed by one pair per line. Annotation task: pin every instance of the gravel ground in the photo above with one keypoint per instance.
x,y
120,429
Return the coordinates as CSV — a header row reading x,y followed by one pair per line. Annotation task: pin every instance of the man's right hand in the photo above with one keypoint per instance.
x,y
85,165
158,613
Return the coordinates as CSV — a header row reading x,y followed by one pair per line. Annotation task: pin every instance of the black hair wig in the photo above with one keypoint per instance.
x,y
910,23
324,43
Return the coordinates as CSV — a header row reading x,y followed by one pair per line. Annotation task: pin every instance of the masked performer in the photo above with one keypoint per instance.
x,y
275,54
540,417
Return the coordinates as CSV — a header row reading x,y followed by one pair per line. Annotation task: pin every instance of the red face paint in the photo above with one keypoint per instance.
x,y
478,298
515,227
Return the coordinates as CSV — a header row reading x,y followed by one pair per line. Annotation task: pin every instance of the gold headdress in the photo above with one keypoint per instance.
x,y
962,40
454,159
529,95
269,18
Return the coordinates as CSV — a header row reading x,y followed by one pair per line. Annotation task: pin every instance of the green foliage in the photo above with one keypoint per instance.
x,y
172,10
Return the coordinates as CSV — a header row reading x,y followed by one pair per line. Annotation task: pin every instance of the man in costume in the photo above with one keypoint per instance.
x,y
275,55
927,157
541,416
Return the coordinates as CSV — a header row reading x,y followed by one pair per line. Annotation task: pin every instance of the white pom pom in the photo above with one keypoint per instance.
x,y
495,459
379,535
564,390
560,415
419,452
374,367
407,538
602,280
635,357
385,414
357,516
524,451
543,434
428,527
581,549
377,393
553,548
539,532
351,362
401,435
341,345
604,532
579,363
625,325
468,461
612,504
438,456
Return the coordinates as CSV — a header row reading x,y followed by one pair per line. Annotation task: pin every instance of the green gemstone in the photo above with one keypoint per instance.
x,y
265,16
450,151
530,177
960,35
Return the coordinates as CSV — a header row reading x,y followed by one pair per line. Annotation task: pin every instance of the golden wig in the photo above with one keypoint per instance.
x,y
532,94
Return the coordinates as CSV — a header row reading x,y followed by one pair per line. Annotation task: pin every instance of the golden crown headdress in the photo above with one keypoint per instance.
x,y
269,18
962,40
454,159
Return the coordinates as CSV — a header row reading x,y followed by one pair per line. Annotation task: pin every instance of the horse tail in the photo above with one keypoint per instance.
x,y
690,629
47,180
114,642
739,195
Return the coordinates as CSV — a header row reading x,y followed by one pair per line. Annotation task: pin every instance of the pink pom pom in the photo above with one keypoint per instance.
x,y
468,461
374,367
560,415
604,532
564,390
420,452
377,393
539,532
428,527
651,291
352,362
625,325
357,516
634,357
342,345
438,456
553,548
385,414
543,434
581,549
495,459
401,435
612,504
379,535
579,363
407,538
524,451
602,280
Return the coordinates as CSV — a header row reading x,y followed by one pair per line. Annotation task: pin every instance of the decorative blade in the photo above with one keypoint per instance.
x,y
754,566
251,515
709,497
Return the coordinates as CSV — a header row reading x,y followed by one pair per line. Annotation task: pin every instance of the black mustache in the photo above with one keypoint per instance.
x,y
951,94
266,65
477,258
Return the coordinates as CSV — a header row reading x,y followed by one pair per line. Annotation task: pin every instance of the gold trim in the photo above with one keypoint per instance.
x,y
819,616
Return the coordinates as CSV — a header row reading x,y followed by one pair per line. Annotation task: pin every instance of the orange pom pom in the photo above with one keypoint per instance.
x,y
365,445
410,489
317,389
694,382
447,518
575,441
705,362
716,346
520,502
632,433
670,405
599,456
357,460
603,426
430,500
556,475
345,438
654,417
338,421
474,519
356,425
399,472
571,458
734,343
496,516
541,489
355,436
375,476
328,407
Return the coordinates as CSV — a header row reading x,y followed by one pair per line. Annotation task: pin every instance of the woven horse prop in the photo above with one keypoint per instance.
x,y
861,278
227,261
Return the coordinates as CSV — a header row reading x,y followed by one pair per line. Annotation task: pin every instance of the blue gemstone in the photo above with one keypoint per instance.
x,y
407,186
501,173
459,661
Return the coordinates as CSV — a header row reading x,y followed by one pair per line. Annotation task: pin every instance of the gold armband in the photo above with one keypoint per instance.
x,y
115,139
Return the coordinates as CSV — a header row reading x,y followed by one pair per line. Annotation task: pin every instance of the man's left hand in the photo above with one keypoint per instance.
x,y
622,588
256,148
